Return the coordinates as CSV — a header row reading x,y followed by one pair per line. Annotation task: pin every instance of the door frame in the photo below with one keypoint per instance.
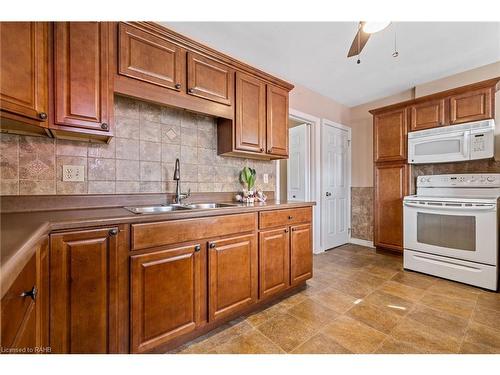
x,y
326,122
314,188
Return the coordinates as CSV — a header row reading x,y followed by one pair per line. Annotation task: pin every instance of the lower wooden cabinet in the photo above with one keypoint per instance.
x,y
24,307
274,261
232,275
300,253
166,295
88,291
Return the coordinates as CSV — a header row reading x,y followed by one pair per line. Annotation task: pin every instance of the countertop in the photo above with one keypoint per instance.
x,y
21,232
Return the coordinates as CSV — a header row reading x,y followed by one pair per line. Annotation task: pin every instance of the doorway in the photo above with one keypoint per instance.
x,y
335,184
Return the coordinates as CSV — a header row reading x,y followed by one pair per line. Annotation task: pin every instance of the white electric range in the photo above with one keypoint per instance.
x,y
451,228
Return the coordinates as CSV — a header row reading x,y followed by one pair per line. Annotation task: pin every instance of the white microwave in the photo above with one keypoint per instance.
x,y
470,141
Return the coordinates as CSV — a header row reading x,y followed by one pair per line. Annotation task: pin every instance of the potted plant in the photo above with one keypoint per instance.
x,y
247,178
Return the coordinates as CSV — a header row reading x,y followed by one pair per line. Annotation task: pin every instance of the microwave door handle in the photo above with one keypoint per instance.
x,y
486,207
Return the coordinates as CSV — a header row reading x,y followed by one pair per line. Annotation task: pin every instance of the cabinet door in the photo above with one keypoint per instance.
x,y
209,79
83,93
471,106
427,115
166,295
277,121
250,120
150,58
232,275
274,261
391,185
389,135
23,71
300,253
85,291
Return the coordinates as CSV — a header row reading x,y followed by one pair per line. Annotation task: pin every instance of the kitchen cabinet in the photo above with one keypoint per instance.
x,y
166,294
24,307
23,77
427,115
300,253
472,106
232,275
89,291
209,79
277,121
391,185
274,261
389,135
82,83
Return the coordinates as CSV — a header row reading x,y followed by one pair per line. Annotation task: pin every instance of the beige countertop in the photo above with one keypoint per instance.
x,y
21,232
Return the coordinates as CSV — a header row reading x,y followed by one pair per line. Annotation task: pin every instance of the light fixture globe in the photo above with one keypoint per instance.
x,y
371,27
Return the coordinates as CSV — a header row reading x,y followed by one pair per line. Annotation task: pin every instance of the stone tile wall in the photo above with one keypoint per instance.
x,y
139,159
362,213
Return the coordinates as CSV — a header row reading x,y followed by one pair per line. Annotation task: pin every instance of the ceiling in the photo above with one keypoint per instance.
x,y
313,54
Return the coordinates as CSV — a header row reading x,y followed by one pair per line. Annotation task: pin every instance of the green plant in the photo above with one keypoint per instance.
x,y
247,177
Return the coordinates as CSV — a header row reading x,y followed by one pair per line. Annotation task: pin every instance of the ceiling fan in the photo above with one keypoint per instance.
x,y
365,29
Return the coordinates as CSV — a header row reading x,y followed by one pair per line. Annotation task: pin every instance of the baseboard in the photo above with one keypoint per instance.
x,y
358,241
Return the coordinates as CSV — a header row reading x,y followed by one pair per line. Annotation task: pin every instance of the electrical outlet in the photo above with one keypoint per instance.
x,y
74,173
266,178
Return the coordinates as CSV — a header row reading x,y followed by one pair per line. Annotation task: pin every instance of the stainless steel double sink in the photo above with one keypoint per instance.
x,y
158,209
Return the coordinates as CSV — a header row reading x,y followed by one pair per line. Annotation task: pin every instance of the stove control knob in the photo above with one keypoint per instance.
x,y
490,179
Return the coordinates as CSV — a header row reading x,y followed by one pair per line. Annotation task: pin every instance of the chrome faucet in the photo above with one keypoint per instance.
x,y
177,177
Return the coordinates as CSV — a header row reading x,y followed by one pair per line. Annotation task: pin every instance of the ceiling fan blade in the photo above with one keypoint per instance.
x,y
357,45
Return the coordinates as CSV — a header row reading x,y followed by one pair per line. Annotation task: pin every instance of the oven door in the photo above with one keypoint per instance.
x,y
439,148
453,229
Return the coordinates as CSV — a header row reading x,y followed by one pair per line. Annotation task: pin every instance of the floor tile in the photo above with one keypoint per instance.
x,y
392,346
489,300
374,316
407,292
320,344
383,272
353,335
441,321
260,317
335,300
413,279
490,318
455,290
471,348
251,342
459,307
313,313
483,335
390,302
351,287
286,331
424,337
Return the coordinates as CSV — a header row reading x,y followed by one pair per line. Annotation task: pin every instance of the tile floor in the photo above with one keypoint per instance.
x,y
360,301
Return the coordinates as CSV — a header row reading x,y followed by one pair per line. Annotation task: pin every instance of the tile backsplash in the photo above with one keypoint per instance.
x,y
139,159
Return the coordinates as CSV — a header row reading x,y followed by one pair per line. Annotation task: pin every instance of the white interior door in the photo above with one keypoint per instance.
x,y
297,166
335,181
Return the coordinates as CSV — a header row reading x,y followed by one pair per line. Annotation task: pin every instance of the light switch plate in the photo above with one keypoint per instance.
x,y
73,173
266,178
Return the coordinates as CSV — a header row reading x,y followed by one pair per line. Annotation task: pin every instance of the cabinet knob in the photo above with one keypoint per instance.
x,y
197,248
42,116
113,232
190,91
286,230
290,217
104,126
212,245
177,86
31,293
262,149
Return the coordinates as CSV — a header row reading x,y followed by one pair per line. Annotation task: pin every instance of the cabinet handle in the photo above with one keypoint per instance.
x,y
104,126
190,91
197,248
113,232
42,116
177,86
212,245
31,293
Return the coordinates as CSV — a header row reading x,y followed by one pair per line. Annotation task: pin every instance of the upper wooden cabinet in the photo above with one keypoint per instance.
x,y
250,118
472,106
209,79
89,291
427,115
391,185
389,135
166,295
82,84
277,121
23,76
150,58
232,275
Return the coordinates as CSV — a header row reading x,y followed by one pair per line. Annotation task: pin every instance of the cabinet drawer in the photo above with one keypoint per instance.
x,y
270,219
170,232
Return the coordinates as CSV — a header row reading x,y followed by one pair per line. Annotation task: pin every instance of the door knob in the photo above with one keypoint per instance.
x,y
30,293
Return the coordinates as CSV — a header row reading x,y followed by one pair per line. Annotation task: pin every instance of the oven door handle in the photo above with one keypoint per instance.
x,y
485,207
